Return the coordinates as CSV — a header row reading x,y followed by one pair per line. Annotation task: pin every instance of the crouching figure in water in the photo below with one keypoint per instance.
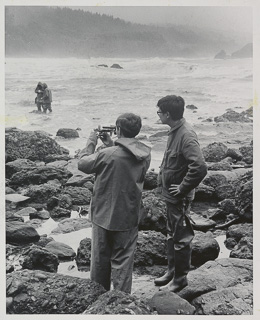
x,y
182,169
119,170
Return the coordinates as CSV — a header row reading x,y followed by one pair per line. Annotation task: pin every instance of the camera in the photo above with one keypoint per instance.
x,y
109,129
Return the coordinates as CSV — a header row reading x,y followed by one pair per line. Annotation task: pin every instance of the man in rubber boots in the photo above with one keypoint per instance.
x,y
182,169
119,170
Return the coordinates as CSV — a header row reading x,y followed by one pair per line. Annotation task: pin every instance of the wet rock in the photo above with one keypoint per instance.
x,y
103,65
201,223
225,191
116,66
9,216
59,212
32,145
166,302
78,180
61,250
237,300
17,166
41,193
83,254
39,175
232,116
35,223
217,275
43,215
26,211
204,192
191,107
244,200
9,190
20,233
228,206
79,195
244,249
67,133
204,248
50,293
215,214
150,180
238,231
154,213
234,154
247,153
118,302
215,152
89,185
220,166
214,179
150,249
71,225
38,258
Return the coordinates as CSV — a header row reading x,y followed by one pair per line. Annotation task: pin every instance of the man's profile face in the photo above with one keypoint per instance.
x,y
162,116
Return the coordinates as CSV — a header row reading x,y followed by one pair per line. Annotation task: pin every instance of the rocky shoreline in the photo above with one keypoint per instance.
x,y
43,183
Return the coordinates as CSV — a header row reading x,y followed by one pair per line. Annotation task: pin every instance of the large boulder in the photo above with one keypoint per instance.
x,y
154,216
39,175
166,302
244,200
79,195
42,214
232,116
83,254
204,248
71,225
17,166
118,302
61,250
18,232
217,275
215,152
32,145
244,249
236,232
204,192
39,258
151,249
67,133
39,292
150,180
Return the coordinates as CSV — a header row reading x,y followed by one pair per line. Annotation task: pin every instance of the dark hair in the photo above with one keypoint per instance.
x,y
172,104
130,124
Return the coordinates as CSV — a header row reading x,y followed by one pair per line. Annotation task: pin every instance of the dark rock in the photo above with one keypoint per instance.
x,y
150,249
232,116
204,248
235,300
191,107
228,205
215,214
220,166
43,214
89,185
39,292
78,180
61,250
103,65
234,154
248,112
39,258
225,191
32,145
39,175
154,217
79,195
214,179
150,180
71,225
83,254
221,55
244,200
59,212
201,223
9,216
238,231
215,152
166,302
65,201
17,166
67,133
41,193
118,302
20,233
217,275
204,192
244,249
44,240
35,223
245,52
57,157
247,154
60,164
116,66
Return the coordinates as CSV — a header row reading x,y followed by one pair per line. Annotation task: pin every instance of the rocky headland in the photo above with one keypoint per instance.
x,y
43,183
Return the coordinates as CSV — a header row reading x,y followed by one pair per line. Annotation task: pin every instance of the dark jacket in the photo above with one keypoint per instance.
x,y
183,163
120,172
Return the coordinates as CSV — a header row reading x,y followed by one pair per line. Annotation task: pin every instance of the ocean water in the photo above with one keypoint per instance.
x,y
86,95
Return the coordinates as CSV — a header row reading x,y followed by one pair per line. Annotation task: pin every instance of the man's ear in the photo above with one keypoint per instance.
x,y
168,114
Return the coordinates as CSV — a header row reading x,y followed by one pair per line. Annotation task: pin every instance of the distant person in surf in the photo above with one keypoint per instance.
x,y
183,168
38,99
46,98
115,206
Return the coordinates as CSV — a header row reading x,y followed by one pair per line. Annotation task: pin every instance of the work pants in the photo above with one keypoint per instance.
x,y
180,230
46,106
112,255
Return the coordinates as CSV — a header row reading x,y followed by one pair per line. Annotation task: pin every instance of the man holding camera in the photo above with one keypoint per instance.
x,y
119,170
182,169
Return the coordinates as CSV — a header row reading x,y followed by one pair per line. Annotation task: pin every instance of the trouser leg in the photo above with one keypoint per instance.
x,y
181,231
100,269
39,106
122,258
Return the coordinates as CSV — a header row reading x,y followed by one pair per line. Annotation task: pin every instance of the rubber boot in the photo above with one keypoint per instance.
x,y
168,276
182,267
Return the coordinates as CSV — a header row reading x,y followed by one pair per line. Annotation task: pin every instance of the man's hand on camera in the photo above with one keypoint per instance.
x,y
175,190
106,139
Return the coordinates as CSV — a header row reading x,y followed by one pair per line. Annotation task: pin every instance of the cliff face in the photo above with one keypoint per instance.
x,y
62,32
245,52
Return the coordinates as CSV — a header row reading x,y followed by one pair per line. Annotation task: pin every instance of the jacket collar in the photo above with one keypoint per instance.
x,y
178,124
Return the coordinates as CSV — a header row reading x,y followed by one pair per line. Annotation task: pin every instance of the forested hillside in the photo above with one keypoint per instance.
x,y
63,32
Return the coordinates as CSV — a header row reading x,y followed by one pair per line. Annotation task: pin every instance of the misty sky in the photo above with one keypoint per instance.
x,y
237,19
